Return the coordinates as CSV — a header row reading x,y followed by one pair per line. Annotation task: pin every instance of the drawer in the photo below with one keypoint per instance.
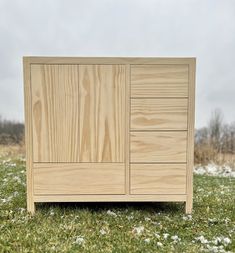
x,y
159,81
160,146
158,178
82,178
155,114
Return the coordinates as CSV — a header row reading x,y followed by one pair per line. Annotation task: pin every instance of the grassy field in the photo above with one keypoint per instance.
x,y
120,227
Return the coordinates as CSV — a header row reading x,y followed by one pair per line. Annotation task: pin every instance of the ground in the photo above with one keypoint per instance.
x,y
120,227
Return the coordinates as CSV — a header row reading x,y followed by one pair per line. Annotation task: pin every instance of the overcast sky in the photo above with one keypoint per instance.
x,y
201,28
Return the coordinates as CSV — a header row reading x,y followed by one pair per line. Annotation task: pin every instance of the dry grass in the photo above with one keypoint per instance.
x,y
12,150
205,154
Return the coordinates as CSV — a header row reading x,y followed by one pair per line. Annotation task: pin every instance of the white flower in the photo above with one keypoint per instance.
x,y
103,232
217,240
165,236
159,244
147,240
187,217
138,230
147,219
212,220
4,200
130,217
175,238
222,239
213,249
21,209
226,240
79,240
156,223
111,213
157,235
15,193
7,199
202,239
16,178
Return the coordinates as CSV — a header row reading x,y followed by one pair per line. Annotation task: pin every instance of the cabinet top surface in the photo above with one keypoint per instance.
x,y
108,60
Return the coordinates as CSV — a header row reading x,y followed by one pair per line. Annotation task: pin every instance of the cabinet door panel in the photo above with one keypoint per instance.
x,y
102,112
55,113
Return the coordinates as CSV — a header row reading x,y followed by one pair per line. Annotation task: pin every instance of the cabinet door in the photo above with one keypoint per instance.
x,y
78,113
102,113
55,112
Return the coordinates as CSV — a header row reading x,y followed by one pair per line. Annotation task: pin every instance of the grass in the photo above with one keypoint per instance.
x,y
120,227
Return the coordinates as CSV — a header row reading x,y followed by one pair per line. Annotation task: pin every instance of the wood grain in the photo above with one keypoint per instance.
x,y
108,60
28,136
102,113
55,113
158,147
158,178
111,198
127,125
159,90
190,137
78,178
142,74
159,80
157,114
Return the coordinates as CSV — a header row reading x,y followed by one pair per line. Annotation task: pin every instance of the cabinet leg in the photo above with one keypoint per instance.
x,y
31,207
188,207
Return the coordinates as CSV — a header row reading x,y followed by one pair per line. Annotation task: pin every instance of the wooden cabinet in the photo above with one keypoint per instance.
x,y
109,129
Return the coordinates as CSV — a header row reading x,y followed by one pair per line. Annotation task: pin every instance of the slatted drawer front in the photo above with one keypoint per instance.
x,y
157,114
158,146
158,178
159,117
159,80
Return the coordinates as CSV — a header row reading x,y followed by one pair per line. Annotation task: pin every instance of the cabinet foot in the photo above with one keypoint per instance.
x,y
31,208
188,207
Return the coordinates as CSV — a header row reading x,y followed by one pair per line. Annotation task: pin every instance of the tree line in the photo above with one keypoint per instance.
x,y
11,132
215,140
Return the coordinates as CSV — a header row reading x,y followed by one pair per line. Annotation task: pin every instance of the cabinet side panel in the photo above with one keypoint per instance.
x,y
190,144
55,113
28,135
102,112
127,137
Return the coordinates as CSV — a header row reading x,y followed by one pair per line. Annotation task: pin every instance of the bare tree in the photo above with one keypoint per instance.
x,y
232,137
201,136
215,129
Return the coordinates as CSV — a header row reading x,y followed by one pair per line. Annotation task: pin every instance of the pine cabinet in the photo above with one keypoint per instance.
x,y
109,129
